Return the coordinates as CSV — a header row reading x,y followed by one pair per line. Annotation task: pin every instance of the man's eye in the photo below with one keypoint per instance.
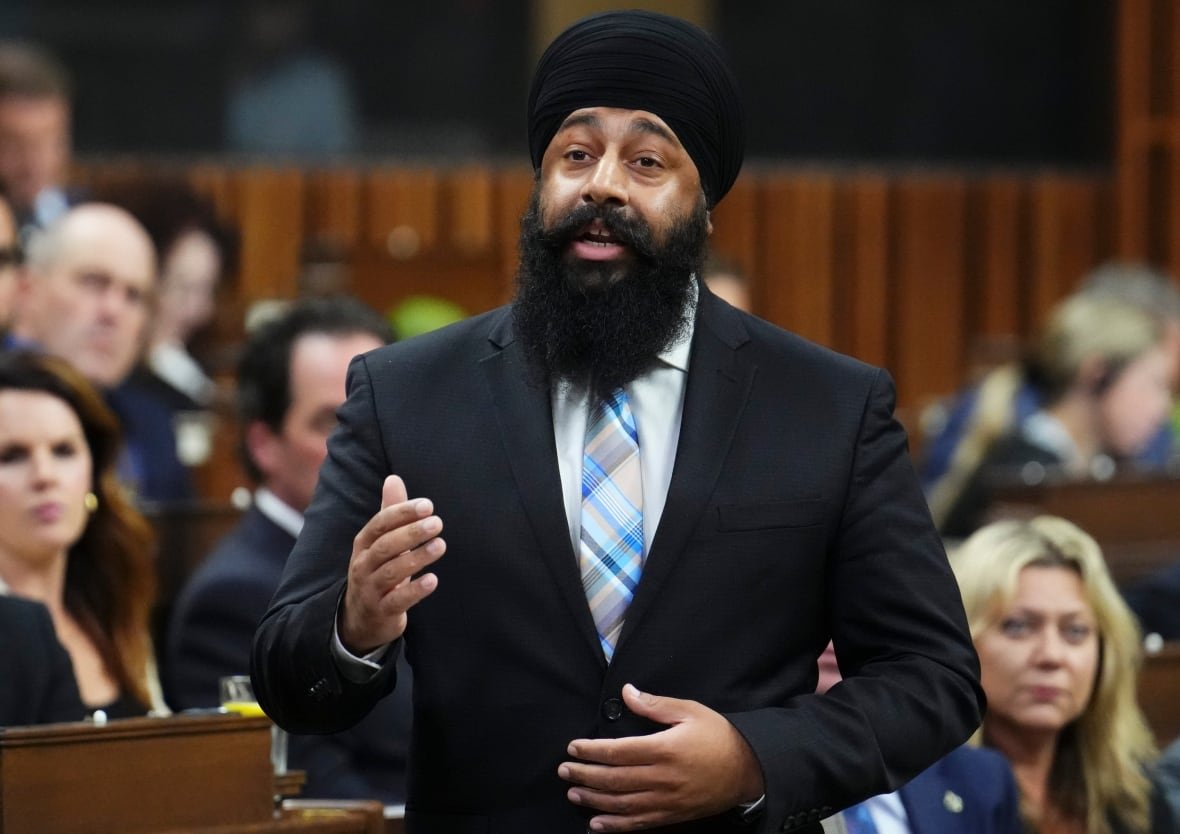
x,y
648,162
577,156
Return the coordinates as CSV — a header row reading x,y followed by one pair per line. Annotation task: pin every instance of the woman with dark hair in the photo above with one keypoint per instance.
x,y
69,537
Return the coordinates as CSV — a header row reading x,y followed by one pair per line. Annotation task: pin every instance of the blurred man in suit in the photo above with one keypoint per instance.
x,y
34,134
290,383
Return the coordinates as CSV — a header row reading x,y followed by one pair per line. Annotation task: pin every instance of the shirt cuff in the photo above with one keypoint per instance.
x,y
357,669
748,810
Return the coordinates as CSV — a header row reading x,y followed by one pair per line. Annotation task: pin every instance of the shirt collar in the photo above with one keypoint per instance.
x,y
677,353
282,514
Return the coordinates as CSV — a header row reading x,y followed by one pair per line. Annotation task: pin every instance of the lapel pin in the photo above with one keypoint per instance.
x,y
952,802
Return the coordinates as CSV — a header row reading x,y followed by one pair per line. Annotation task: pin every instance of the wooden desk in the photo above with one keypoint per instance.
x,y
207,774
1134,517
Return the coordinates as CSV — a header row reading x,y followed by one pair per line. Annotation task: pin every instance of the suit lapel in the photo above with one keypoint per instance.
x,y
525,416
719,381
925,798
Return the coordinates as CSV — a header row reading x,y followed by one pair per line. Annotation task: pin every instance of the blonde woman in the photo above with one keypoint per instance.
x,y
1059,658
1101,371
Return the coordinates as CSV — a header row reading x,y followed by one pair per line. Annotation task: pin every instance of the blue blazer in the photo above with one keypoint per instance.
x,y
968,791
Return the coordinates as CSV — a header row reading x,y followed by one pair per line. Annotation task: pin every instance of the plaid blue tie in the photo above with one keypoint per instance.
x,y
610,554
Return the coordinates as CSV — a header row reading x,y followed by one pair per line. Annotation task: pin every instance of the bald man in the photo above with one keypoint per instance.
x,y
658,511
86,295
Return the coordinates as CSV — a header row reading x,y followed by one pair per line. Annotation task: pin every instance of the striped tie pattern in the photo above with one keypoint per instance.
x,y
610,553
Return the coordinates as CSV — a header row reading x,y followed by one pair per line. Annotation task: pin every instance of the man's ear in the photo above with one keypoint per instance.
x,y
263,446
709,222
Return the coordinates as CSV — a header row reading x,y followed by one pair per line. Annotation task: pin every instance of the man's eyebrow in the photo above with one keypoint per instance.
x,y
580,120
648,126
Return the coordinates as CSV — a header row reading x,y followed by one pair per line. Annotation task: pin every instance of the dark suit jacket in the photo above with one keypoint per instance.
x,y
209,637
1155,599
793,514
150,464
37,684
969,791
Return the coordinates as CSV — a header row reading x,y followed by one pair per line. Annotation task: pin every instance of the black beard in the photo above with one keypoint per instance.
x,y
601,325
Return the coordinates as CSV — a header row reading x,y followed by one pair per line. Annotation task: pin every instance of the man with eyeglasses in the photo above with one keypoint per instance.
x,y
86,295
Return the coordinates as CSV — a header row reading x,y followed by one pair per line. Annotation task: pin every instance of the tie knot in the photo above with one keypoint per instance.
x,y
614,409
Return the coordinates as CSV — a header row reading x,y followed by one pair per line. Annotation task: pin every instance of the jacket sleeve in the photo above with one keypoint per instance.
x,y
296,678
911,691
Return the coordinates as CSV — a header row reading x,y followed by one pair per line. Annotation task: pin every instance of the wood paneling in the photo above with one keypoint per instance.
x,y
930,286
908,270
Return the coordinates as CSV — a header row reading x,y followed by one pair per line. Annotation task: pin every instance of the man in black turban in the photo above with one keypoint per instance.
x,y
658,512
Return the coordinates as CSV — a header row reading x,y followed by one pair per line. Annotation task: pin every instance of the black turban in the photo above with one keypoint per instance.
x,y
641,60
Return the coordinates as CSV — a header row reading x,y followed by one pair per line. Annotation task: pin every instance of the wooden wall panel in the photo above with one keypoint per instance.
x,y
997,253
930,278
403,210
270,220
333,209
469,210
863,253
513,187
797,218
1067,241
737,232
217,184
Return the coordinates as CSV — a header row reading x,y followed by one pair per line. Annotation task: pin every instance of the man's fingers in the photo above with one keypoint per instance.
x,y
390,572
394,517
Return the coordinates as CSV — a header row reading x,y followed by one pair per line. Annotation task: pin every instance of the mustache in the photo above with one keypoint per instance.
x,y
627,229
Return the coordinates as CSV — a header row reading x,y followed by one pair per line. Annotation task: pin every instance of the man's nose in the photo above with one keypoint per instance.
x,y
607,182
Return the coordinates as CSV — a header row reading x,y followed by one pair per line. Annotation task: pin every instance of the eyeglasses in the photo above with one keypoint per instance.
x,y
11,256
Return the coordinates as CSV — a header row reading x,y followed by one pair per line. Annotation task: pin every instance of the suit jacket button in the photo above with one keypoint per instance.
x,y
612,709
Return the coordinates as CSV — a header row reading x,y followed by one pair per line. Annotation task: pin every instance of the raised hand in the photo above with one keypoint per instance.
x,y
396,543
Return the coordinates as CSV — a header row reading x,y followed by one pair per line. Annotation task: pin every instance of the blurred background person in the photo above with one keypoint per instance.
x,y
195,250
87,295
286,96
34,134
1101,373
11,258
1059,654
1141,286
69,538
291,380
37,683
